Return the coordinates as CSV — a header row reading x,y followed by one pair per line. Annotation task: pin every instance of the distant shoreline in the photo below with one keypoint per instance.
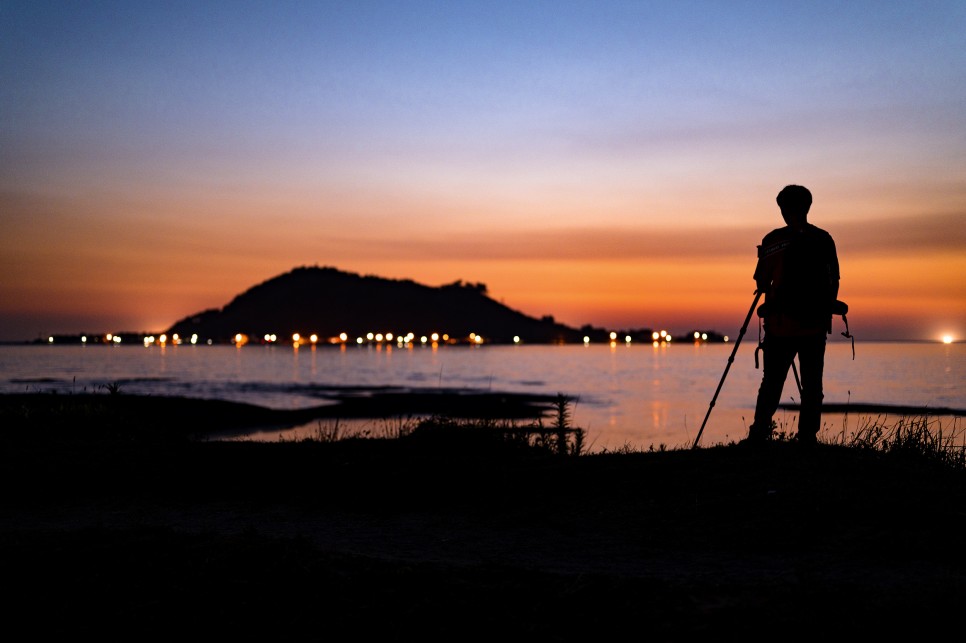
x,y
74,340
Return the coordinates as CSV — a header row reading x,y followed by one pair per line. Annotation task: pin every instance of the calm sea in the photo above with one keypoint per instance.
x,y
633,396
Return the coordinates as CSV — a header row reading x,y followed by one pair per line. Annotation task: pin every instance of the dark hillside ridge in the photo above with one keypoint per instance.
x,y
326,302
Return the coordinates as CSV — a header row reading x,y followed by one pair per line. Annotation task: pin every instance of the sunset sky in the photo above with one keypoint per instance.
x,y
607,163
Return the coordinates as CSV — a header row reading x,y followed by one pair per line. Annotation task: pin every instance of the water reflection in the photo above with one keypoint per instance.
x,y
626,394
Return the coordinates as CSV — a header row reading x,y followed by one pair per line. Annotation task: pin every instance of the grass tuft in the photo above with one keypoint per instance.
x,y
920,437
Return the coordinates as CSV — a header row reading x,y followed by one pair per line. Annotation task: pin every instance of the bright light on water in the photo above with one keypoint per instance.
x,y
637,396
947,339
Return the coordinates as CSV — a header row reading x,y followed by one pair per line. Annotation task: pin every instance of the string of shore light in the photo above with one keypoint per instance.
x,y
240,339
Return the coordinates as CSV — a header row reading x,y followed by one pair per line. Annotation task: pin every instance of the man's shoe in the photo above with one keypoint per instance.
x,y
755,438
758,434
752,442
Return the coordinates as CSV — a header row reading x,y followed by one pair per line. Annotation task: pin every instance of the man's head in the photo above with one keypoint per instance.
x,y
794,202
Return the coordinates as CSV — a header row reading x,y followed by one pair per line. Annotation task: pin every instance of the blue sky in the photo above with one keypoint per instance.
x,y
611,163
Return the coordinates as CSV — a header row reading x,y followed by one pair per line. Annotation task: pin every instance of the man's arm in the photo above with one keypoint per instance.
x,y
833,268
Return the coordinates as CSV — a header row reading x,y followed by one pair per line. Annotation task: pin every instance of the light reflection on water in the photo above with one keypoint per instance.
x,y
626,395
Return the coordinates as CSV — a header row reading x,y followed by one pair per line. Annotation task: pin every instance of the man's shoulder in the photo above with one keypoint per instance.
x,y
816,231
778,234
787,233
777,239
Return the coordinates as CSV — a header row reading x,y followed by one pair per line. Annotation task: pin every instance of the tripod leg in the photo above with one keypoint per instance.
x,y
798,381
731,359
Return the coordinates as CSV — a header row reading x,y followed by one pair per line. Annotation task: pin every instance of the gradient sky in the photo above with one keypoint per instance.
x,y
607,163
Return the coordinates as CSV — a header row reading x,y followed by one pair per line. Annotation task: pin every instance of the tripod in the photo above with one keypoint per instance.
x,y
731,360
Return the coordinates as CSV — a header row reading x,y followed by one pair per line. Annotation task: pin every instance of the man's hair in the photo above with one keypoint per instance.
x,y
795,197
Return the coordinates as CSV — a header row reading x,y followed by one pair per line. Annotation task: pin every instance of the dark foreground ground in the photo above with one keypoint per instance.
x,y
117,527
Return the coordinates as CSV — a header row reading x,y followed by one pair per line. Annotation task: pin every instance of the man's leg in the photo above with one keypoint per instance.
x,y
778,355
811,357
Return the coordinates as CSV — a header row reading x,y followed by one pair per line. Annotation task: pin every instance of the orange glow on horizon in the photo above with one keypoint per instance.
x,y
906,294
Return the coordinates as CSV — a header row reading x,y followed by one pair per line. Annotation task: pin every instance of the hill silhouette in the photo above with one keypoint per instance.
x,y
326,302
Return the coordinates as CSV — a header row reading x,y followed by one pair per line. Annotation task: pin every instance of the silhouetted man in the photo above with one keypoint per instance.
x,y
798,272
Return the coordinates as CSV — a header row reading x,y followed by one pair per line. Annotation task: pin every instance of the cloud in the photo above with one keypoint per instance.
x,y
935,233
927,233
